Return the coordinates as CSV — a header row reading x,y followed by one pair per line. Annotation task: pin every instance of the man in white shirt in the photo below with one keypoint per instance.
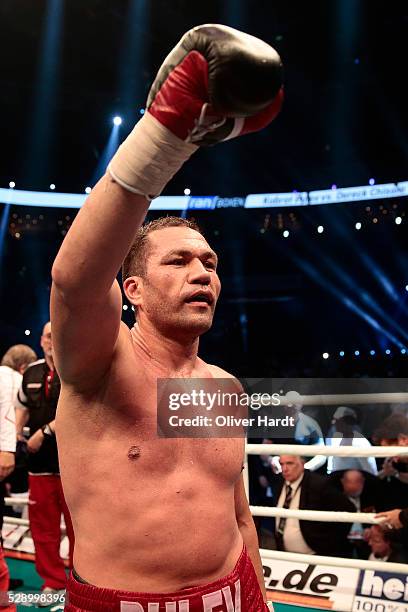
x,y
13,364
347,433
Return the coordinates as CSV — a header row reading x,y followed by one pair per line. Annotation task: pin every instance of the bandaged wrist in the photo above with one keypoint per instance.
x,y
148,158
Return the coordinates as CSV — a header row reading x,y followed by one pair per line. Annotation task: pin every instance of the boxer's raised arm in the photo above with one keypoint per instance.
x,y
216,84
86,303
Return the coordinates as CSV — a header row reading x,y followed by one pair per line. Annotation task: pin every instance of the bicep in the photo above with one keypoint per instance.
x,y
84,334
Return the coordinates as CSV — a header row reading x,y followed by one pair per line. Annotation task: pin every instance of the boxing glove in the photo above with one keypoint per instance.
x,y
216,84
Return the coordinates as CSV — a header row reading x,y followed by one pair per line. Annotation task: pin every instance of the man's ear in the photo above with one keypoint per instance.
x,y
133,288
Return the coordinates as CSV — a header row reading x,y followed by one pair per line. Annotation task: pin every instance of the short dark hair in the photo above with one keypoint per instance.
x,y
392,427
136,259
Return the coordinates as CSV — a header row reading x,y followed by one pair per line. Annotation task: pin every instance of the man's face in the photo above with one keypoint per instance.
x,y
403,440
46,340
180,289
379,545
353,483
292,467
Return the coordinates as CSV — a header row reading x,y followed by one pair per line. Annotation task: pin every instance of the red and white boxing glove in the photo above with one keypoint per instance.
x,y
216,84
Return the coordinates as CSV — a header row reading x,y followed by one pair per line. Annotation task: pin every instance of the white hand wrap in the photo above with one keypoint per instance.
x,y
148,158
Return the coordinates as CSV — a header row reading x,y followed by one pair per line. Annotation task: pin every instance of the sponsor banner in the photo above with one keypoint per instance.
x,y
381,592
47,199
355,194
202,202
234,202
269,200
169,203
314,586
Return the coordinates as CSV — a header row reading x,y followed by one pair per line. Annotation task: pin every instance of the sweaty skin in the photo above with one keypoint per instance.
x,y
169,510
150,514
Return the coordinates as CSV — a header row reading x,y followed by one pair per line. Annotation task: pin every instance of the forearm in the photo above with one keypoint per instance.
x,y
250,537
7,425
21,420
98,241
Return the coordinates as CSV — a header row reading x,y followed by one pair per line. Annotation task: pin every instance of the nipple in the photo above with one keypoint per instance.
x,y
133,452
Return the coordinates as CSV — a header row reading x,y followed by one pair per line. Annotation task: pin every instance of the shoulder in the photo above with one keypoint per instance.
x,y
308,421
217,372
34,372
361,442
315,479
36,365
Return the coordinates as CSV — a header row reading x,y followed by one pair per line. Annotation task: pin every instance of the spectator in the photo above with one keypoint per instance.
x,y
305,490
365,494
37,403
393,473
263,474
307,430
384,546
345,432
13,364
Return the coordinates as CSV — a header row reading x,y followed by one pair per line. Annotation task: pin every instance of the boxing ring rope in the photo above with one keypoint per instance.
x,y
13,520
317,515
311,450
329,451
339,399
379,566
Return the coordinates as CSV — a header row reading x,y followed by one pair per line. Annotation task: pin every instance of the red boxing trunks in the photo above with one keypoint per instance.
x,y
237,592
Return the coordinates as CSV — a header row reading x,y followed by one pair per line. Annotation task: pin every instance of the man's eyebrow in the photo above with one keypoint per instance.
x,y
187,253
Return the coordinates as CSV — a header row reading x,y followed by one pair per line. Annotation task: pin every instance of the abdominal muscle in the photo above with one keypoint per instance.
x,y
160,522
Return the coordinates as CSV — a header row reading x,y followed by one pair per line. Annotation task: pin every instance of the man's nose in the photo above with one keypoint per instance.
x,y
198,273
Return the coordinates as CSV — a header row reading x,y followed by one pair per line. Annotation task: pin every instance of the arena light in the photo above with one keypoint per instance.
x,y
341,353
52,186
388,352
117,120
88,190
371,181
286,234
357,353
358,225
27,332
398,220
372,352
403,351
187,191
125,306
325,355
142,111
406,287
334,186
12,184
320,229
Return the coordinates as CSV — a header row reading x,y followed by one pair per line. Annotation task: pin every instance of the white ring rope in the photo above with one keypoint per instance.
x,y
324,516
339,399
12,520
16,501
310,450
377,566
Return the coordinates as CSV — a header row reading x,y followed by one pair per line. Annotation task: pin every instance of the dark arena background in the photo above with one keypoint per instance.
x,y
308,217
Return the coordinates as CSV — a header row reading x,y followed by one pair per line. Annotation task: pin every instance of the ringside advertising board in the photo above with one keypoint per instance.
x,y
336,588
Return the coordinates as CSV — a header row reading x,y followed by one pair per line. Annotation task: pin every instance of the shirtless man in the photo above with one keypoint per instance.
x,y
160,524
